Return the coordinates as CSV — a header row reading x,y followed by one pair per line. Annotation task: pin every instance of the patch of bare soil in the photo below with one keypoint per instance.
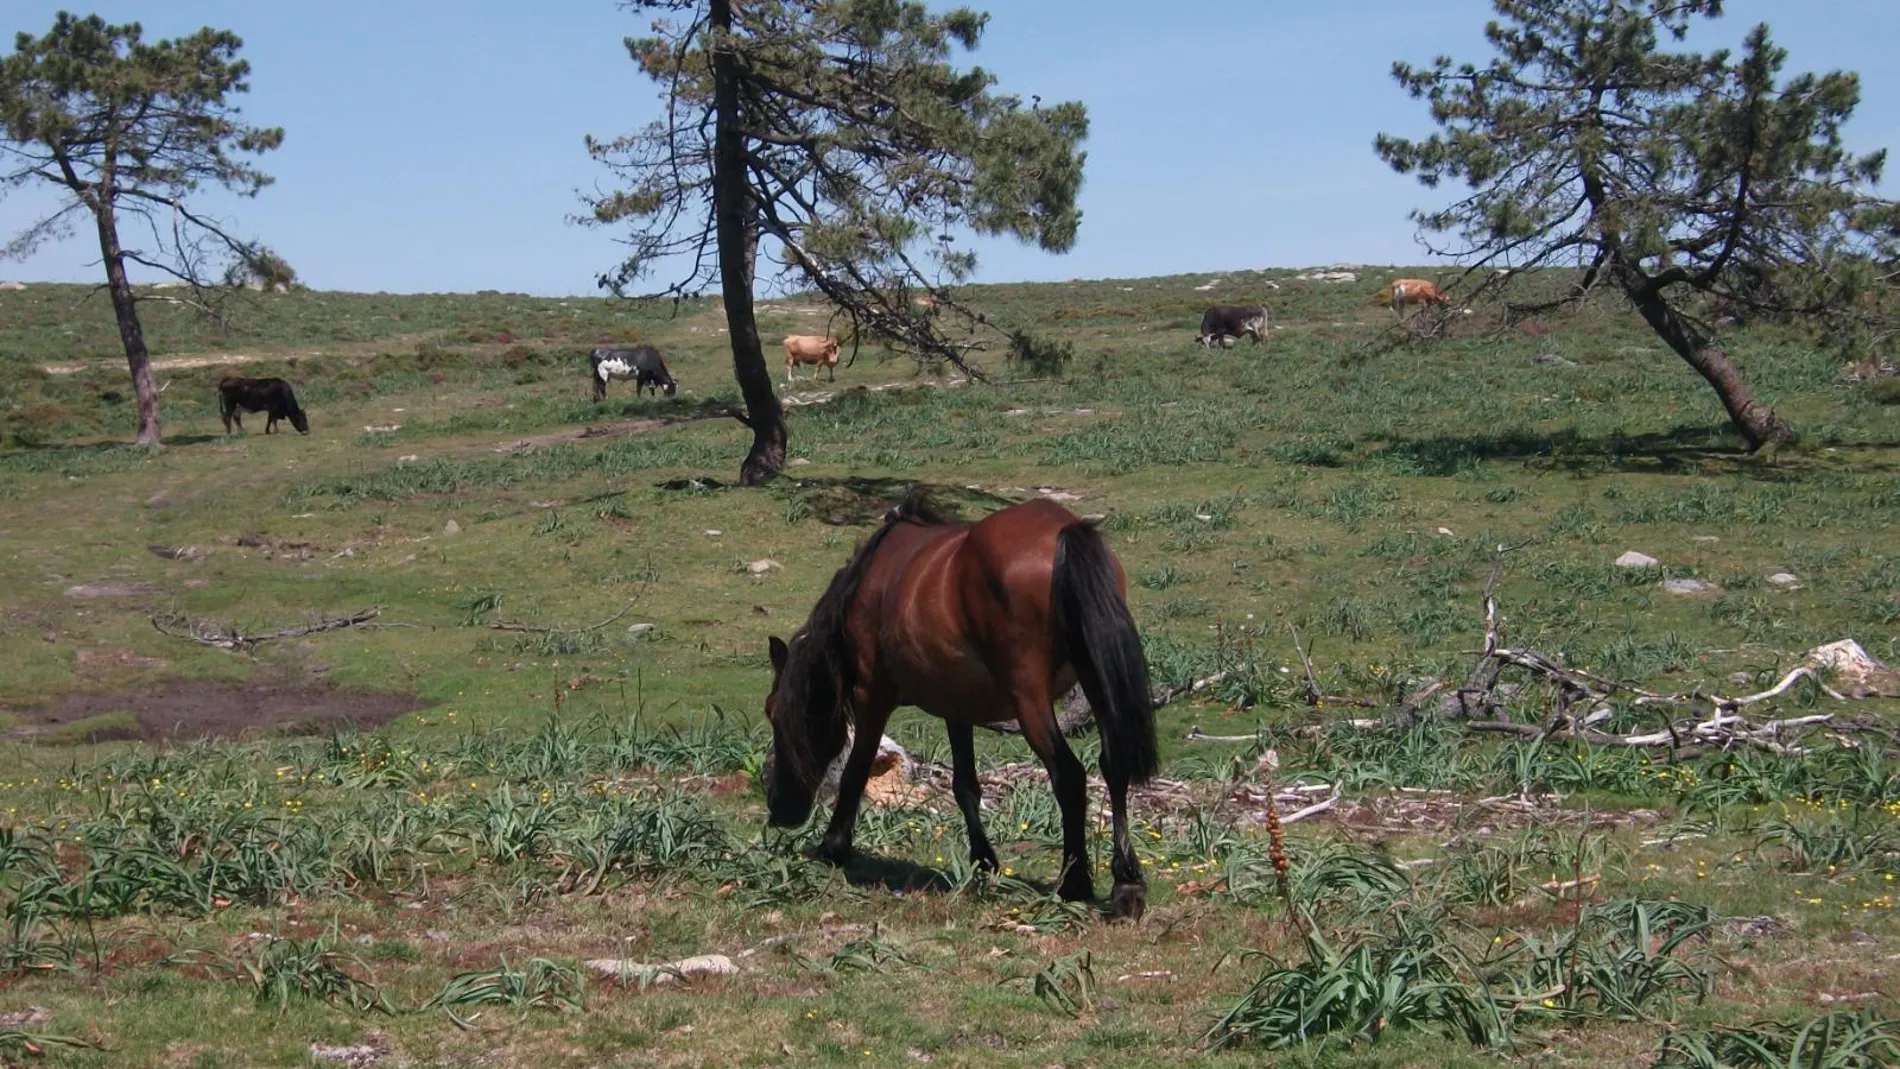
x,y
197,709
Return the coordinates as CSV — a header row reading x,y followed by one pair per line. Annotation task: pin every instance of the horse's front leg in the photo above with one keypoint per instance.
x,y
969,793
835,847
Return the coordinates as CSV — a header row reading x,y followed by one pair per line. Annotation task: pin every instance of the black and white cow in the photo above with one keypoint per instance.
x,y
1225,321
272,396
641,363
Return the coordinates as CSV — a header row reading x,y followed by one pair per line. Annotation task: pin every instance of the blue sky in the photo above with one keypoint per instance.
x,y
436,146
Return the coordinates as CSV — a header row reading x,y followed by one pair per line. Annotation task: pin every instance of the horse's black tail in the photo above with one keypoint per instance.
x,y
1099,637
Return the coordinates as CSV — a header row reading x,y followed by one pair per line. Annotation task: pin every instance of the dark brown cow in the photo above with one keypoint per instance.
x,y
1225,321
273,396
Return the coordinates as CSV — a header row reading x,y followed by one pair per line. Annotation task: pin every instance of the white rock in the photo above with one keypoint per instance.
x,y
891,758
1687,587
797,462
1446,531
1704,539
451,527
714,532
1633,559
760,567
640,629
407,458
665,972
1785,581
12,285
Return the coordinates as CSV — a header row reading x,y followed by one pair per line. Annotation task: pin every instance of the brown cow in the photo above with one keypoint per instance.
x,y
811,349
1403,291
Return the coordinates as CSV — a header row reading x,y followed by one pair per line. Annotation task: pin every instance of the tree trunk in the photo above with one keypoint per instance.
x,y
732,200
1758,423
125,308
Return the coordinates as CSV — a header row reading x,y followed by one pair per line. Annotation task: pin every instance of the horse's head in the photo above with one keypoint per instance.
x,y
805,734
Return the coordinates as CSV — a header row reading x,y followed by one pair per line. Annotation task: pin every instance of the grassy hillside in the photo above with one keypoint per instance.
x,y
556,788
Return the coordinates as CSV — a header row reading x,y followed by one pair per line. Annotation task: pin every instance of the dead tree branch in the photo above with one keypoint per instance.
x,y
226,636
532,629
1076,713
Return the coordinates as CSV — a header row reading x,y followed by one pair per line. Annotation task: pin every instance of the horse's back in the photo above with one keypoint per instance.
x,y
964,612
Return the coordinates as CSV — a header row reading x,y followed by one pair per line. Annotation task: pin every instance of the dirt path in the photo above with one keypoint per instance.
x,y
161,363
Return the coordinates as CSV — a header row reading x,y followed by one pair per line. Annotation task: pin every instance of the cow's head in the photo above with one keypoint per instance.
x,y
298,421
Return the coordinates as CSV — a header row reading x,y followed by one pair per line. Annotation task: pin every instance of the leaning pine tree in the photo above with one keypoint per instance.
x,y
125,130
1667,177
835,141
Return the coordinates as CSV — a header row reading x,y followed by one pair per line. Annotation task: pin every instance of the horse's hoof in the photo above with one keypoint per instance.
x,y
1128,901
832,853
1076,891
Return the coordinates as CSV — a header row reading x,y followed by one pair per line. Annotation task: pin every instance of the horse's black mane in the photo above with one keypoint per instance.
x,y
814,690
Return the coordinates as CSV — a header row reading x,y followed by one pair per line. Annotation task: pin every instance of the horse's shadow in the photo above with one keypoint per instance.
x,y
902,876
895,874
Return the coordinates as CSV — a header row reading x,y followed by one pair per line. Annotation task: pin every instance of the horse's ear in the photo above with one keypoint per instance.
x,y
780,652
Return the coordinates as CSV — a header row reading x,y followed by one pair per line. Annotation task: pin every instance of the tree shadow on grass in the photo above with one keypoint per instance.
x,y
1702,450
854,500
859,501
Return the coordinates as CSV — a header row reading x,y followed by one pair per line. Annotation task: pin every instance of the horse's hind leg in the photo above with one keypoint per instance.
x,y
1069,780
835,847
1130,896
969,794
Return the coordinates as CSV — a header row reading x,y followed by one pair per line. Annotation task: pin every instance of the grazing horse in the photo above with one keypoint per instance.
x,y
974,624
273,396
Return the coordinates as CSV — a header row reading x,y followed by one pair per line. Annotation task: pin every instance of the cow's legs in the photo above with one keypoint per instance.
x,y
969,793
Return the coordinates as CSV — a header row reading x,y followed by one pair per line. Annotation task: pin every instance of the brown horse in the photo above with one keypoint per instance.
x,y
975,624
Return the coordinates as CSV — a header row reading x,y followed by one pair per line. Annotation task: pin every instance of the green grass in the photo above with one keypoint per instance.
x,y
583,792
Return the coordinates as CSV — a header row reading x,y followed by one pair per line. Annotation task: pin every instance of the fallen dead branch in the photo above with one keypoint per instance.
x,y
1555,890
1693,721
226,636
1076,713
533,629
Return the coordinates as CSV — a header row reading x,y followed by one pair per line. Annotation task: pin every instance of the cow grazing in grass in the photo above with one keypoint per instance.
x,y
1403,291
641,363
811,349
1225,321
237,394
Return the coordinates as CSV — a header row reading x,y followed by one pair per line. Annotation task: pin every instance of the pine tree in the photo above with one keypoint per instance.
x,y
834,141
1671,178
124,128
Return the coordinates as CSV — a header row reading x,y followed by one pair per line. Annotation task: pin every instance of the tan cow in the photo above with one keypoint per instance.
x,y
1403,291
811,349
